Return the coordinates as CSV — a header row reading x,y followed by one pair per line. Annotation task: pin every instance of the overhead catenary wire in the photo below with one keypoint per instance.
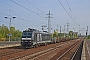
x,y
12,23
65,9
36,7
8,22
19,17
39,10
25,19
69,7
72,13
67,12
4,13
28,9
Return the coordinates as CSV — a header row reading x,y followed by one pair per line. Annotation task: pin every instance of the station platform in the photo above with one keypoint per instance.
x,y
5,44
86,50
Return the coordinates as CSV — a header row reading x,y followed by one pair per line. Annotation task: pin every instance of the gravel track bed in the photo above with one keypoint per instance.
x,y
26,52
52,55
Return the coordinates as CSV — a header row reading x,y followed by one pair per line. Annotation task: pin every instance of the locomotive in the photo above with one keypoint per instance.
x,y
33,38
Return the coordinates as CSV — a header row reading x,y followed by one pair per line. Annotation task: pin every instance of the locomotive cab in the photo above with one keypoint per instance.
x,y
29,37
26,39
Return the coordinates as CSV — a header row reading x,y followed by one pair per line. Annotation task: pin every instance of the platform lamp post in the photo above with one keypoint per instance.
x,y
9,25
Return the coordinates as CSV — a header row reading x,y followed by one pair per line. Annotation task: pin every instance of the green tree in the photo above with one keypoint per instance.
x,y
88,37
71,34
55,33
4,31
15,33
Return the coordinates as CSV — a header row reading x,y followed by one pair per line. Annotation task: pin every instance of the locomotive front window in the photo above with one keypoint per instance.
x,y
24,33
27,34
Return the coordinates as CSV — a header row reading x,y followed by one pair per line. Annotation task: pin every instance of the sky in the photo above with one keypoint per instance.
x,y
32,14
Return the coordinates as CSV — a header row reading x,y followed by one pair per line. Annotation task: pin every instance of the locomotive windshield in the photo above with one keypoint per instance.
x,y
27,34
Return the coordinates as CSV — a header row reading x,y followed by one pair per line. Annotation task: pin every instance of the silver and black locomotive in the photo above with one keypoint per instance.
x,y
33,37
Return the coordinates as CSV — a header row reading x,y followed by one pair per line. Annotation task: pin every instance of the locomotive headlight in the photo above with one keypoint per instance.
x,y
22,41
30,41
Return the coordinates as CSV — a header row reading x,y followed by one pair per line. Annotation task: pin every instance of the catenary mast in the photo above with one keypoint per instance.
x,y
49,22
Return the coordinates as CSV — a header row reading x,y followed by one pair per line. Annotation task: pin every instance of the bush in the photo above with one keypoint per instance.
x,y
2,39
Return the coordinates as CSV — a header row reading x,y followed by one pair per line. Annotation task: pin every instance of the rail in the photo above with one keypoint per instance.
x,y
66,52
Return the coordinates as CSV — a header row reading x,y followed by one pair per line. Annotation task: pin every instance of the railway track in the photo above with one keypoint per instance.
x,y
35,55
70,53
43,52
9,52
54,53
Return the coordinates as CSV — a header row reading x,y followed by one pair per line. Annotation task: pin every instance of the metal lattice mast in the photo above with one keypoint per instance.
x,y
49,22
67,24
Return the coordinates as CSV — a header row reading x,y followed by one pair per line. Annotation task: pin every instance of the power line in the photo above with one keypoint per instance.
x,y
67,12
69,6
71,13
4,13
35,7
17,15
12,23
26,8
18,18
38,9
65,9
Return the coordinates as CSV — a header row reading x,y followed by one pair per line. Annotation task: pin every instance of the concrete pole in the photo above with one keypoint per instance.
x,y
9,28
